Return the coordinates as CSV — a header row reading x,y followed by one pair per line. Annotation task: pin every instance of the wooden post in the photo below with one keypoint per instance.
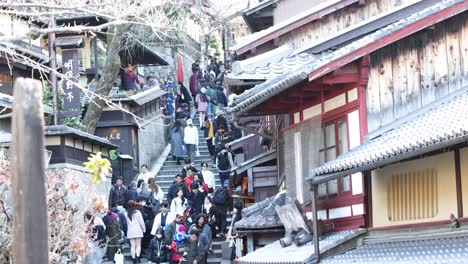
x,y
53,67
30,244
315,226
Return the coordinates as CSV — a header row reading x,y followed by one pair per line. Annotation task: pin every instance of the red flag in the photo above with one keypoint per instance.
x,y
180,70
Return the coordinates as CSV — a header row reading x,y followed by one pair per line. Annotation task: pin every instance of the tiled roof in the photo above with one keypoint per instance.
x,y
262,214
65,130
7,102
323,8
434,127
275,254
258,6
139,98
449,250
262,92
270,64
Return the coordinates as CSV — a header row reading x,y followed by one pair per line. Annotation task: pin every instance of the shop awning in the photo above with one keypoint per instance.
x,y
436,126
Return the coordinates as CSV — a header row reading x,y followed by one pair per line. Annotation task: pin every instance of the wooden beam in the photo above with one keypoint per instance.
x,y
391,38
315,224
342,78
286,28
458,182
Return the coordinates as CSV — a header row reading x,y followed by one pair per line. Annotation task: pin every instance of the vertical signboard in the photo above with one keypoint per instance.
x,y
71,92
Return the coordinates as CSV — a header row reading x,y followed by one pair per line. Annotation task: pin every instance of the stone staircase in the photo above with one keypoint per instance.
x,y
165,178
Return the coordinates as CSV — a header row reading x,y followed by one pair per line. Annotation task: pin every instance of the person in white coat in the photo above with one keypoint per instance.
x,y
162,219
178,204
208,177
191,139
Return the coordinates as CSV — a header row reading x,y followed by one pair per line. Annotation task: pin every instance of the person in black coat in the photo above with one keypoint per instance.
x,y
220,121
158,250
222,99
118,195
187,166
132,194
177,184
197,198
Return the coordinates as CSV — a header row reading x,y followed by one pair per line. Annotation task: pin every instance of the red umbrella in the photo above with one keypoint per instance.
x,y
180,70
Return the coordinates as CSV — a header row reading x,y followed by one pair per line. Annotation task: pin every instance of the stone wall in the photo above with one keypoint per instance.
x,y
152,139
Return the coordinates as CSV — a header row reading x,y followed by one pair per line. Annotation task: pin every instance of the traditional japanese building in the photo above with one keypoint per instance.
x,y
371,114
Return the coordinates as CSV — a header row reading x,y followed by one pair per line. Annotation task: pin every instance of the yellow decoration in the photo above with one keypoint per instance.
x,y
98,166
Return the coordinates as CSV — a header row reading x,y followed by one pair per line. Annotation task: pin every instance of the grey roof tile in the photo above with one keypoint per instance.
x,y
432,250
279,83
262,214
274,254
436,126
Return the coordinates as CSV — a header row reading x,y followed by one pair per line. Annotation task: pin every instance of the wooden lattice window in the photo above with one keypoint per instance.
x,y
412,195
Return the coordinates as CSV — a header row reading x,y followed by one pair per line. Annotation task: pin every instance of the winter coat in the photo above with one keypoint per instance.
x,y
114,234
136,226
202,106
208,129
132,195
205,235
230,159
157,223
158,252
191,135
185,96
169,232
196,252
220,121
209,178
177,142
171,192
129,79
197,199
212,94
221,97
178,206
183,171
118,196
193,83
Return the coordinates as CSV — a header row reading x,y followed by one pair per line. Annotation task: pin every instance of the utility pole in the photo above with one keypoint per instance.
x,y
53,67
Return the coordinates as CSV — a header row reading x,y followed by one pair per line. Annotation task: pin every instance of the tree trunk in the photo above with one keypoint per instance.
x,y
109,72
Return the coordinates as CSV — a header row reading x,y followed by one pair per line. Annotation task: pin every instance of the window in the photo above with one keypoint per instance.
x,y
334,143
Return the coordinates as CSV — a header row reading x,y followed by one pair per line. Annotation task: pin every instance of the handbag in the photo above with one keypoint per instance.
x,y
119,257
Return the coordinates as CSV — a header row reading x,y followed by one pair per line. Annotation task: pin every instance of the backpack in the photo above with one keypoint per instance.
x,y
223,161
221,196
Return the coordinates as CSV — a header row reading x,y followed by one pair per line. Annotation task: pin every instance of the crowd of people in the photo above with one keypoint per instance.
x,y
178,230
181,228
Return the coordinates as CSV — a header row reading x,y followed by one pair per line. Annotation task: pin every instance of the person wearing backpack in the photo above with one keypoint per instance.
x,y
220,201
224,163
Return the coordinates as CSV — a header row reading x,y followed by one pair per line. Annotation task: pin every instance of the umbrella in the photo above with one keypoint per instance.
x,y
180,70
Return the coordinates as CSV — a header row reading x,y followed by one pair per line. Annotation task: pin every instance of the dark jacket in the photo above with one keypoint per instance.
x,y
187,96
220,121
197,199
169,232
173,189
183,171
221,97
196,252
118,196
157,251
132,194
